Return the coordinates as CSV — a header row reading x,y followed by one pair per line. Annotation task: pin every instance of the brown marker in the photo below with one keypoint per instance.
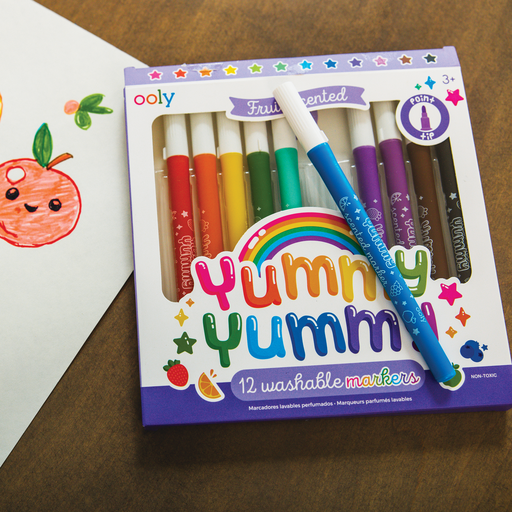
x,y
430,218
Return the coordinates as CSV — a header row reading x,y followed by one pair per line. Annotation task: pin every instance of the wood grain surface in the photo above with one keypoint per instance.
x,y
86,449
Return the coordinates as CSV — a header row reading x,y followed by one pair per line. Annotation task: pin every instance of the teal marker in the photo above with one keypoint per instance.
x,y
258,161
287,161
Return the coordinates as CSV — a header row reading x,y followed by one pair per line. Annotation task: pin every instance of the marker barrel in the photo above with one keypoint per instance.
x,y
182,221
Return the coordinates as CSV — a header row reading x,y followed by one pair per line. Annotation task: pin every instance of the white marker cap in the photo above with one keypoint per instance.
x,y
301,121
333,122
283,134
203,140
229,134
361,130
176,142
255,137
385,120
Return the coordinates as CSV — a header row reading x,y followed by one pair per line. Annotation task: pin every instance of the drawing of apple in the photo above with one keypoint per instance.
x,y
39,205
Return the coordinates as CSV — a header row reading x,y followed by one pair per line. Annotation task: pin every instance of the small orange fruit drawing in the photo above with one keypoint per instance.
x,y
207,389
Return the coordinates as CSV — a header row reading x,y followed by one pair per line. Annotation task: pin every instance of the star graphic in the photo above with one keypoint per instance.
x,y
184,213
430,58
463,317
451,332
485,347
181,73
330,64
190,303
355,63
305,64
415,331
205,72
230,70
449,293
381,61
155,75
404,59
453,196
417,86
280,66
181,317
454,96
430,82
255,68
184,343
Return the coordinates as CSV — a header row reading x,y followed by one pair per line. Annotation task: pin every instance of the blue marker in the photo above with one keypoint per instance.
x,y
319,152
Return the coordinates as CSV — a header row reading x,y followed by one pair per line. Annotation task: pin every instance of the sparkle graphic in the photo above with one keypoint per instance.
x,y
355,63
181,317
449,293
380,61
280,66
230,70
255,68
463,317
330,64
451,332
180,73
155,75
205,72
404,59
430,82
454,96
184,343
429,58
190,303
305,64
417,86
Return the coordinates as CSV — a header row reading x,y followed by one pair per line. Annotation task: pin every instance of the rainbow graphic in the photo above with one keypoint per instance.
x,y
301,226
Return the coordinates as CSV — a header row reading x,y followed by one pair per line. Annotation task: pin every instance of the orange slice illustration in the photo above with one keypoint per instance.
x,y
208,389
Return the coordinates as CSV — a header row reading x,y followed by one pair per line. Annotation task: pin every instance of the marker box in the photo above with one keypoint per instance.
x,y
286,317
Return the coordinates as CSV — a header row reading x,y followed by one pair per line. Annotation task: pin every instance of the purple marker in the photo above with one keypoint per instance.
x,y
365,156
425,121
390,144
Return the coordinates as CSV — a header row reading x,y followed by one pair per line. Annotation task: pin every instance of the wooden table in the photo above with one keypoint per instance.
x,y
86,449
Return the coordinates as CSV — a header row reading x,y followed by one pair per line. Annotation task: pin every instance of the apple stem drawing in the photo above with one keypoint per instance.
x,y
89,105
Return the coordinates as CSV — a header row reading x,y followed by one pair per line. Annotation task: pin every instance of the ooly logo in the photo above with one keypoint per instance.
x,y
160,98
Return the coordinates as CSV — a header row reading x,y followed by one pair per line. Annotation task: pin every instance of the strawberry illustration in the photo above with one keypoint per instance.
x,y
176,373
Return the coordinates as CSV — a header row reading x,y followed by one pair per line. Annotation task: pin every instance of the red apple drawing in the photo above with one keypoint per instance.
x,y
39,205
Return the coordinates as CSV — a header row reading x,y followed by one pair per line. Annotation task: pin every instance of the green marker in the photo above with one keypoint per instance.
x,y
287,160
258,161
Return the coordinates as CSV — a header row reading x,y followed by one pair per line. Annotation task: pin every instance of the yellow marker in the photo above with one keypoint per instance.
x,y
231,161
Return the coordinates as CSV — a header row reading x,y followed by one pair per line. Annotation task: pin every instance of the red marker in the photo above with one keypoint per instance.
x,y
178,167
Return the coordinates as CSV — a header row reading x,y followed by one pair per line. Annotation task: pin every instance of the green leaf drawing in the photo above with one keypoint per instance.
x,y
83,119
43,145
100,110
90,105
91,101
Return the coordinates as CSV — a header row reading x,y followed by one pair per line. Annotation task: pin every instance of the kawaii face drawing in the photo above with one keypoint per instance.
x,y
39,204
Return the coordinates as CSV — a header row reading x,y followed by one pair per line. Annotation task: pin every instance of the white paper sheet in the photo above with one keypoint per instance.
x,y
52,296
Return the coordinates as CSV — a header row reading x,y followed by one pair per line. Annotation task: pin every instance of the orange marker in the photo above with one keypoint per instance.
x,y
205,164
